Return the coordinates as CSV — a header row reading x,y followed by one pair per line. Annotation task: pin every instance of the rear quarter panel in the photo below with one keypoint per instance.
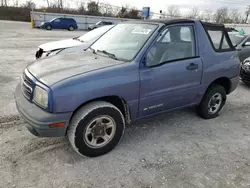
x,y
215,64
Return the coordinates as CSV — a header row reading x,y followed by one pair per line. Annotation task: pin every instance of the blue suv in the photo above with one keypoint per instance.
x,y
135,70
60,23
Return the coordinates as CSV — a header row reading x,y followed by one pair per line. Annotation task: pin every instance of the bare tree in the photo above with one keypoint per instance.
x,y
247,13
5,3
15,3
234,16
29,4
123,12
106,9
206,16
48,3
173,11
60,4
221,15
93,8
81,8
194,13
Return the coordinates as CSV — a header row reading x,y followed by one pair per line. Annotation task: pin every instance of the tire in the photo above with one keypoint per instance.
x,y
71,28
84,141
48,27
210,107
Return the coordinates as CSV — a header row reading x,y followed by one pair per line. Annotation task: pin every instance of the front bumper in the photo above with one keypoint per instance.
x,y
245,76
38,120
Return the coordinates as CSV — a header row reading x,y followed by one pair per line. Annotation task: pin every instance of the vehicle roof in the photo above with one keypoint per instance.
x,y
180,20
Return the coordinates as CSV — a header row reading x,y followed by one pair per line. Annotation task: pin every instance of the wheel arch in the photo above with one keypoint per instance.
x,y
117,101
224,82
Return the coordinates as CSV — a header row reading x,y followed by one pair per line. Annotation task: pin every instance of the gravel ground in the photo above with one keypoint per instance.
x,y
176,149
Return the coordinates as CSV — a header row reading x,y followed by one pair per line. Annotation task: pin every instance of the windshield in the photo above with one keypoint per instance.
x,y
124,41
236,38
98,23
91,36
53,19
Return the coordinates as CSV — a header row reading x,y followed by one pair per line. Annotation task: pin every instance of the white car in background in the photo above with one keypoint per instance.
x,y
69,45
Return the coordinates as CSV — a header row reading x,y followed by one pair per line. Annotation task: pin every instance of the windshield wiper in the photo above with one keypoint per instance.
x,y
108,53
78,39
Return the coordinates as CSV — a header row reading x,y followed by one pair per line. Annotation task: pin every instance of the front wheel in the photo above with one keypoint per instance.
x,y
96,129
48,27
212,102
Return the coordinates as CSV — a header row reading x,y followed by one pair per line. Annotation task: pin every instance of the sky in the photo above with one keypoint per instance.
x,y
157,5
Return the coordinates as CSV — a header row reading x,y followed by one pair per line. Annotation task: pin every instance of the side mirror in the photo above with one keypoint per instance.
x,y
247,44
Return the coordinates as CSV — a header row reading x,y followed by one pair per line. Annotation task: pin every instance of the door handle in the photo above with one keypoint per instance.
x,y
192,66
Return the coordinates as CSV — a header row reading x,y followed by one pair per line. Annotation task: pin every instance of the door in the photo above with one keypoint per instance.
x,y
173,70
245,50
57,23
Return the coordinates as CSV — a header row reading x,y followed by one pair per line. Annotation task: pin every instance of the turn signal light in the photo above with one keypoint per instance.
x,y
54,125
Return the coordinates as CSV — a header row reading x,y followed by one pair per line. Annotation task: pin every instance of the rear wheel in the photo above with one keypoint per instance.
x,y
96,129
71,28
212,102
48,27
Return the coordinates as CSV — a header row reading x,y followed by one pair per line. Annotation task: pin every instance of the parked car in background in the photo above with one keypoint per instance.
x,y
241,43
136,70
69,45
60,23
99,24
245,71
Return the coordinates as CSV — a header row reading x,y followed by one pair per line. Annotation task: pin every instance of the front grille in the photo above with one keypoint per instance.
x,y
27,86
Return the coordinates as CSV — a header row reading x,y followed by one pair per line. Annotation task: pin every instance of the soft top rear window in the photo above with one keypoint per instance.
x,y
218,37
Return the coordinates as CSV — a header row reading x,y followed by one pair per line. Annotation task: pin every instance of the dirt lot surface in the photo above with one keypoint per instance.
x,y
176,149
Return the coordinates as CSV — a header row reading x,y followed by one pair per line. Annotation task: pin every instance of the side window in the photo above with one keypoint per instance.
x,y
174,43
225,44
218,40
164,36
186,34
57,20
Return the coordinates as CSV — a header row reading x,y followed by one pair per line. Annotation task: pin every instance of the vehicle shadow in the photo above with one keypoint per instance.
x,y
246,86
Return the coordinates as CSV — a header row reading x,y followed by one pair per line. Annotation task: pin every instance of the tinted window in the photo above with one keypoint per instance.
x,y
164,36
57,20
216,38
186,34
172,44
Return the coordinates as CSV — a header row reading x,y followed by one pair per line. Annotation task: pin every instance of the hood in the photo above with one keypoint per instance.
x,y
60,44
57,68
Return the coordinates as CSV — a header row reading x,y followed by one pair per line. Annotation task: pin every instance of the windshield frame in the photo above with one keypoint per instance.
x,y
140,49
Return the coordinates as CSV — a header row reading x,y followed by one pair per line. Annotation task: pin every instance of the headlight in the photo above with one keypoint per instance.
x,y
41,97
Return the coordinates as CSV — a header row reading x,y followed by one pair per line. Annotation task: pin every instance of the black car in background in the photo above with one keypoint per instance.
x,y
241,43
245,71
99,24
